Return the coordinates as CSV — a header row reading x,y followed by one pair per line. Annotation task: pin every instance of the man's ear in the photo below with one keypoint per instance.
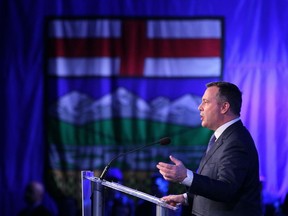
x,y
225,107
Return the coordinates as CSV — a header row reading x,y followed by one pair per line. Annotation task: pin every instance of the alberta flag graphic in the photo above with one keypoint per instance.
x,y
114,84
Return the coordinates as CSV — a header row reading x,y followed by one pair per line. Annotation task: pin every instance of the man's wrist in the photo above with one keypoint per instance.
x,y
189,178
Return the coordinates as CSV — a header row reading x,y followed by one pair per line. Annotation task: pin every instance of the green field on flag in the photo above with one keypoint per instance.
x,y
124,132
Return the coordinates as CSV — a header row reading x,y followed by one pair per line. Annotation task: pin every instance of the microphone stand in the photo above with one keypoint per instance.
x,y
163,141
97,197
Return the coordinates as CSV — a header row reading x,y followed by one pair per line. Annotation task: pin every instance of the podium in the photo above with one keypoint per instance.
x,y
93,196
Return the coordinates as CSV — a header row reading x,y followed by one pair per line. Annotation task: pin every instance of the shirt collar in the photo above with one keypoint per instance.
x,y
223,127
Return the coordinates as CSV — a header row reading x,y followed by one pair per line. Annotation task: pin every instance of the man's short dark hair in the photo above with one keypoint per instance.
x,y
230,93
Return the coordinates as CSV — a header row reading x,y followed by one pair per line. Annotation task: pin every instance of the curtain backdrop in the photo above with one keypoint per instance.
x,y
255,59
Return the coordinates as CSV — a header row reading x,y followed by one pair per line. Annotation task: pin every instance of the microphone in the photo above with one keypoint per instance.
x,y
163,141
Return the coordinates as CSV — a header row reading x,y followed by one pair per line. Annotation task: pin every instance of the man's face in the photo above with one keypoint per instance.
x,y
210,109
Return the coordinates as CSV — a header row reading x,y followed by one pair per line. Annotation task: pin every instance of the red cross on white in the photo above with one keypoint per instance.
x,y
135,47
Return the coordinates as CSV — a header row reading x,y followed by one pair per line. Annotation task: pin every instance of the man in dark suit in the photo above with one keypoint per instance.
x,y
227,180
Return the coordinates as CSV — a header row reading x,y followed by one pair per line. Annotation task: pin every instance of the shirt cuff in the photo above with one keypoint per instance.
x,y
185,199
188,180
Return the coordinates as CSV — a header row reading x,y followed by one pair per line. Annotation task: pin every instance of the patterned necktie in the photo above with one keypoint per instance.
x,y
211,142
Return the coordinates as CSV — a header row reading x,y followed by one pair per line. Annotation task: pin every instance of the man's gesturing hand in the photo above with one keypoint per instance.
x,y
171,172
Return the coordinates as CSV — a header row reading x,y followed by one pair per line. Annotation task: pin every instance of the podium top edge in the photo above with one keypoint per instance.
x,y
130,191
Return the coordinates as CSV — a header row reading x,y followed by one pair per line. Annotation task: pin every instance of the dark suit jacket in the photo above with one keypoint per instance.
x,y
227,181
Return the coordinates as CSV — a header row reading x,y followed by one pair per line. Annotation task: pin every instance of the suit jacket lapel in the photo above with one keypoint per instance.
x,y
209,154
217,144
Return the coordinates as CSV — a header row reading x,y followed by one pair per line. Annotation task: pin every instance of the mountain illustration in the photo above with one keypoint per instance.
x,y
78,108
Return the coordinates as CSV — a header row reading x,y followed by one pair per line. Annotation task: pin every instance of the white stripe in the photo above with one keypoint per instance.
x,y
169,67
184,29
84,66
175,67
155,29
85,28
